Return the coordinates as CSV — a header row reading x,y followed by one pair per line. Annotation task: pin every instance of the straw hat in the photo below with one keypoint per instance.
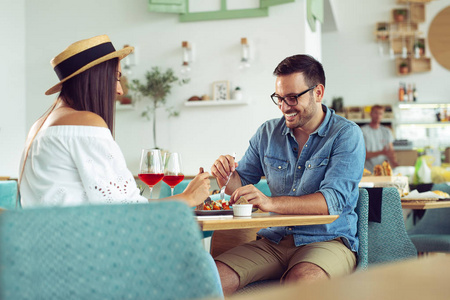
x,y
83,55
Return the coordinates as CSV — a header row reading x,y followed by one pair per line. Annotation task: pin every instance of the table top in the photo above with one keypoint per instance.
x,y
264,220
417,204
424,278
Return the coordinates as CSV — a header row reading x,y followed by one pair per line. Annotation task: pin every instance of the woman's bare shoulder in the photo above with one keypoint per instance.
x,y
78,118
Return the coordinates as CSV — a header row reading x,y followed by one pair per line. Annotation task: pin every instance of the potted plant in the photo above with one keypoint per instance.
x,y
156,88
421,46
404,68
400,15
237,95
382,31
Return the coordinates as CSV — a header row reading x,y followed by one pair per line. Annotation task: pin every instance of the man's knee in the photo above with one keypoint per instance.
x,y
228,277
306,272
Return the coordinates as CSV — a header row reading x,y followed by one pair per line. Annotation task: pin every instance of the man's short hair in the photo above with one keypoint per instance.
x,y
375,107
302,63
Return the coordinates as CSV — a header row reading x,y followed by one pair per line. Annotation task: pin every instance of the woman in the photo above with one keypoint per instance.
x,y
70,156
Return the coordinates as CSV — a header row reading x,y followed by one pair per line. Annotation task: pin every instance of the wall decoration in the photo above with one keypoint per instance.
x,y
181,7
221,90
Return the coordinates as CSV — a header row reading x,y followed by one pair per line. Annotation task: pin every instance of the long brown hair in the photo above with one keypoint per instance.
x,y
94,90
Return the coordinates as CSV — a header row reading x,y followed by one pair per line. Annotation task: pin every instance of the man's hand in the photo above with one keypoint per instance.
x,y
390,154
253,196
222,168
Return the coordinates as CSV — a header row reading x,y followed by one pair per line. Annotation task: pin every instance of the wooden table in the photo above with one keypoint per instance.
x,y
424,278
425,204
265,220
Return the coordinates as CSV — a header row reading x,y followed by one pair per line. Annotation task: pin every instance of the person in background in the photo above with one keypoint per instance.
x,y
70,157
313,161
378,140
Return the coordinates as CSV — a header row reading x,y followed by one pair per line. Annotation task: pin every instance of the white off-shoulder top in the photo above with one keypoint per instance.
x,y
76,165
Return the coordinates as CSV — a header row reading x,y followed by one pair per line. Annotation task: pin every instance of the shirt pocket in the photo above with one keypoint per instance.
x,y
276,174
315,169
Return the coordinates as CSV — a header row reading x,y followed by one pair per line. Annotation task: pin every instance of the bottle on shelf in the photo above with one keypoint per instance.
x,y
400,92
414,93
405,93
410,93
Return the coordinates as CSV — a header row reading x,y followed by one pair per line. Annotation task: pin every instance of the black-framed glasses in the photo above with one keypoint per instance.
x,y
289,100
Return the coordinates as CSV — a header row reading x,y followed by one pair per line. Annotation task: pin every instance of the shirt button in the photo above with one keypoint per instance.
x,y
279,167
293,190
306,146
290,228
309,166
299,167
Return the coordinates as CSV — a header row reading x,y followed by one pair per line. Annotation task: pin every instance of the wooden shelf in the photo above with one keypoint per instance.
x,y
415,65
216,102
364,121
422,105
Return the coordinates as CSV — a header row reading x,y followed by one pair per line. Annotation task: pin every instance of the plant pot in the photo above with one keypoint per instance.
x,y
404,70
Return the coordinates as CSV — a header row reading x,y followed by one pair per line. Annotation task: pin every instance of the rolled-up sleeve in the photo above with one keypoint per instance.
x,y
345,168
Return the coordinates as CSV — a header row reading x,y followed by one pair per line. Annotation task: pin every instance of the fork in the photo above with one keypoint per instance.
x,y
222,190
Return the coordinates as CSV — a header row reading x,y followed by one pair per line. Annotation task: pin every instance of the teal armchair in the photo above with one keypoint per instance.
x,y
432,231
140,251
8,194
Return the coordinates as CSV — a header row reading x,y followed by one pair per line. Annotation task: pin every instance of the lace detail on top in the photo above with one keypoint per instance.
x,y
74,165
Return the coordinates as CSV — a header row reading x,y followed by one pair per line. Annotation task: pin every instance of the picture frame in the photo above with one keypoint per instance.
x,y
221,90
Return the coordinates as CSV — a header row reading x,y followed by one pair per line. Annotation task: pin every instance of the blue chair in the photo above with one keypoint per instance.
x,y
8,194
140,251
388,240
264,187
362,210
432,231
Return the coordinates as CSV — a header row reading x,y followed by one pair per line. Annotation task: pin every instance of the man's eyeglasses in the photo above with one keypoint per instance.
x,y
289,100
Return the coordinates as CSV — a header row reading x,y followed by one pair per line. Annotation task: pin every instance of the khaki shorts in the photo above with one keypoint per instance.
x,y
263,260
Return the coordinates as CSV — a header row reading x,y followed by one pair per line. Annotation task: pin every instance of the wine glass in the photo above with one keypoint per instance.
x,y
151,169
173,173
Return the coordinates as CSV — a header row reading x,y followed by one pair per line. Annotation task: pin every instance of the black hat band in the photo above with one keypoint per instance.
x,y
79,60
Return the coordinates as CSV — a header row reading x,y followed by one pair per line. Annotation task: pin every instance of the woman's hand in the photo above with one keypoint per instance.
x,y
198,189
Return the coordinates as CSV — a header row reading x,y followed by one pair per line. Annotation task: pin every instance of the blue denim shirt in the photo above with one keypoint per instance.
x,y
331,162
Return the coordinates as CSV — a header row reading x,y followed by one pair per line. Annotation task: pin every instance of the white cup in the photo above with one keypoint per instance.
x,y
242,210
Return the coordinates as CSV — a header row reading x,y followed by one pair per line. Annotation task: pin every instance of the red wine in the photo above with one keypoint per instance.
x,y
173,180
151,179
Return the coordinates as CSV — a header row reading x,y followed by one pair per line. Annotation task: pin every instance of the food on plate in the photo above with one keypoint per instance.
x,y
442,194
216,205
383,170
366,172
241,200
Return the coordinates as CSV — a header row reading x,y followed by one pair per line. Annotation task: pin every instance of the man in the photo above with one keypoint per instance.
x,y
313,161
378,140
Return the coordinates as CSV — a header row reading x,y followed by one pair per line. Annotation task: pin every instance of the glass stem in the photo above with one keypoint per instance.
x,y
151,191
171,190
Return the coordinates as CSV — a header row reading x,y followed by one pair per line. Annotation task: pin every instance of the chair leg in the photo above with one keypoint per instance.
x,y
207,244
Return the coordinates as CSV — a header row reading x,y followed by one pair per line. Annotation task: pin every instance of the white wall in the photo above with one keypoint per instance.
x,y
12,83
350,56
354,68
200,134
